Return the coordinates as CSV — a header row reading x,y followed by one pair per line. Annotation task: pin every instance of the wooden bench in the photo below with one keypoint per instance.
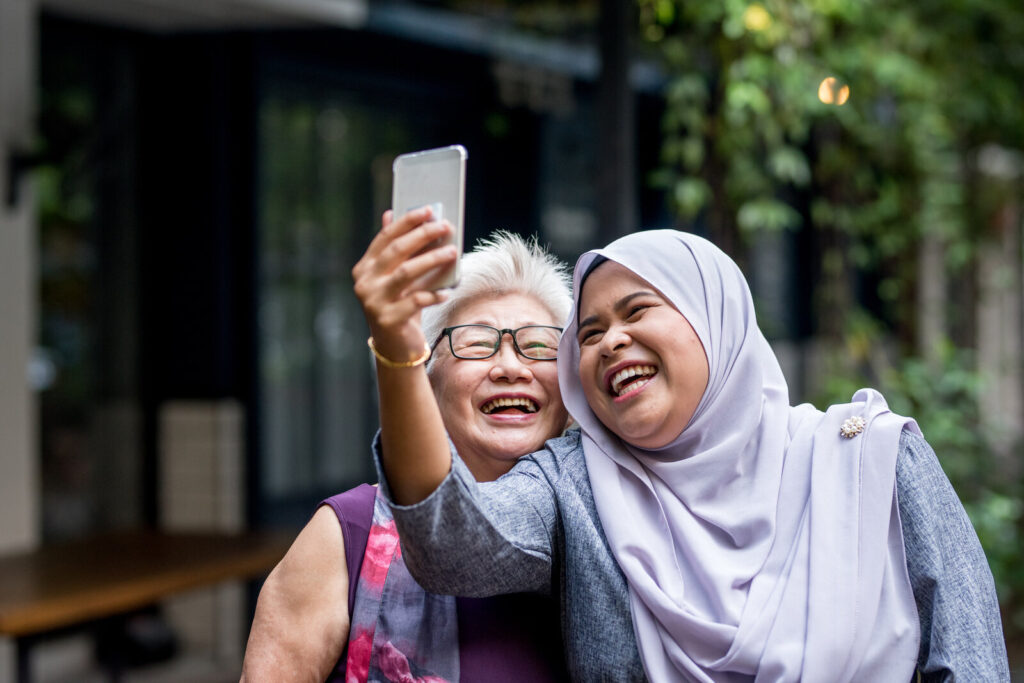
x,y
65,585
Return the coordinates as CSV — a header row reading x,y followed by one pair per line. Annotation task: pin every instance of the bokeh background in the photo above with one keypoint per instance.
x,y
187,184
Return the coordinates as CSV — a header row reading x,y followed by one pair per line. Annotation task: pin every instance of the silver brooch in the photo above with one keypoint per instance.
x,y
852,426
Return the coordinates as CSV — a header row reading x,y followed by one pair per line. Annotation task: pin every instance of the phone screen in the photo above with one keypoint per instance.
x,y
435,178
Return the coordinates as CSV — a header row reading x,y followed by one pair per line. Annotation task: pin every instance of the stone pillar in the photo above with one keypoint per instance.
x,y
1000,312
202,484
999,352
19,460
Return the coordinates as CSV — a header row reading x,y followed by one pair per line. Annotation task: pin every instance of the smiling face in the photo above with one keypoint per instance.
x,y
642,367
505,406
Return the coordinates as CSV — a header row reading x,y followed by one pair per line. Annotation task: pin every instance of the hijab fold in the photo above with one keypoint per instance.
x,y
760,544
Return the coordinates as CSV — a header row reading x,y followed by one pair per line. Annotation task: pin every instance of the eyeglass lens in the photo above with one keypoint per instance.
x,y
481,341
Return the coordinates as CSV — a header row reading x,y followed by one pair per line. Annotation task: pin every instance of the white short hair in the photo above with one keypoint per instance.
x,y
505,263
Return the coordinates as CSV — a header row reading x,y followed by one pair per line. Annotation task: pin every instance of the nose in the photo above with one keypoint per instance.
x,y
614,339
508,365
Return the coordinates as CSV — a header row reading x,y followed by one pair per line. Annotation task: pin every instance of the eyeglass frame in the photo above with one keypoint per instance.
x,y
447,332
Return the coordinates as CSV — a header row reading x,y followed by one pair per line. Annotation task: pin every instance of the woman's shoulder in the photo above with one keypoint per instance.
x,y
922,487
353,512
563,452
355,503
911,441
566,444
561,468
916,461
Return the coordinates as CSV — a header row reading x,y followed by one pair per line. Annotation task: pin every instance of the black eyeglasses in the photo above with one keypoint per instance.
x,y
477,342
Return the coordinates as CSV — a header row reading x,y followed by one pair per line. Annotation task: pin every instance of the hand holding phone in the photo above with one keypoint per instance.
x,y
434,178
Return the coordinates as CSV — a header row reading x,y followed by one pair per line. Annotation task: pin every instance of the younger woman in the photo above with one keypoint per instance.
x,y
747,539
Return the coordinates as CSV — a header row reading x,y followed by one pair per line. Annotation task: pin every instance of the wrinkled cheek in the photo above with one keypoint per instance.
x,y
444,395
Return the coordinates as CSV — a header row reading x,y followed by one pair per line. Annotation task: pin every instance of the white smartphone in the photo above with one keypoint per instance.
x,y
435,178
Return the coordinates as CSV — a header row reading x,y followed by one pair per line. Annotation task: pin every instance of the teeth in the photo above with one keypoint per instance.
x,y
508,402
622,376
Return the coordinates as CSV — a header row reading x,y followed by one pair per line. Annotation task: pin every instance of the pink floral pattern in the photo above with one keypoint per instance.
x,y
386,640
395,666
381,548
357,664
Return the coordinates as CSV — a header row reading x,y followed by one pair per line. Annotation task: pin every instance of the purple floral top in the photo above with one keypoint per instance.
x,y
399,632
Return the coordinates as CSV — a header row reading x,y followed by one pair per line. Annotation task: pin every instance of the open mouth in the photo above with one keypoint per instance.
x,y
508,405
631,378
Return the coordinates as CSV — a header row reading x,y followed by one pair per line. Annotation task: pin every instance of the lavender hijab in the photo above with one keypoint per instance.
x,y
760,544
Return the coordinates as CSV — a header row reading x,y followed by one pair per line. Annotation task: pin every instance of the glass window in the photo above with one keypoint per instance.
x,y
324,179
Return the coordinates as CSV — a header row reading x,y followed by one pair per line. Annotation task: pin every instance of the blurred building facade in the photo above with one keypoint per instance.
x,y
186,188
188,185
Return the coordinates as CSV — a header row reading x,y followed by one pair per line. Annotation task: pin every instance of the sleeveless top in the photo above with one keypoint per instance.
x,y
503,638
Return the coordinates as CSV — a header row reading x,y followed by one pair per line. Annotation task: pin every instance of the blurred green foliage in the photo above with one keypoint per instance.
x,y
927,84
865,122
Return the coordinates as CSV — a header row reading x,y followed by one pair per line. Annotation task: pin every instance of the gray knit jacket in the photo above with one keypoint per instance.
x,y
537,529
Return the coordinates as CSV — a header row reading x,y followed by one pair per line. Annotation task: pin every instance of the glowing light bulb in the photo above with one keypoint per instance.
x,y
831,91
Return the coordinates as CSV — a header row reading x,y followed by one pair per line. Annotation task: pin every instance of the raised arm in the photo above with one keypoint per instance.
x,y
301,622
415,445
479,539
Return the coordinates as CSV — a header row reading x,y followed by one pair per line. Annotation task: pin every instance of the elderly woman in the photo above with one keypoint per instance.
x,y
747,539
341,604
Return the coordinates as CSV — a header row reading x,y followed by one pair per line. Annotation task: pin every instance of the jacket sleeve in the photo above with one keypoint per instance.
x,y
475,539
961,630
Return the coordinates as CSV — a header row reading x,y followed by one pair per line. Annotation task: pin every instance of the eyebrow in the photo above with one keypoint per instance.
x,y
617,306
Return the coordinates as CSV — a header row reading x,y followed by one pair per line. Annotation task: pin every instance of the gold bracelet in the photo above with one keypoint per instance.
x,y
388,363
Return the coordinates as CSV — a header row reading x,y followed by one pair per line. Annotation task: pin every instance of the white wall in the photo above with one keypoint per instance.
x,y
19,477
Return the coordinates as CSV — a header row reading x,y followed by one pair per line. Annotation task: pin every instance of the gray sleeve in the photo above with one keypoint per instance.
x,y
479,539
961,631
